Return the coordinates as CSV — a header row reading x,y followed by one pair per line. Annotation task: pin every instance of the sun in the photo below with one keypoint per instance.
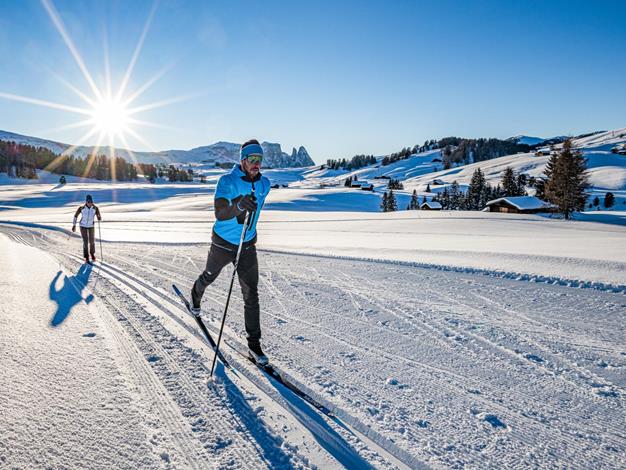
x,y
108,114
110,117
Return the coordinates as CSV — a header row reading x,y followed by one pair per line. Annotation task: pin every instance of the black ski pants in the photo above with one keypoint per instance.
x,y
89,241
248,273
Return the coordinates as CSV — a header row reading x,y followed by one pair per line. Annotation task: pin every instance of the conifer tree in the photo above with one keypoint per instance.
x,y
609,200
456,197
567,180
477,191
522,181
509,183
384,204
414,204
392,205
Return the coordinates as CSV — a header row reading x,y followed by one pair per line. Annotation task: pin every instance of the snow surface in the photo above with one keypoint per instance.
x,y
322,222
445,339
420,366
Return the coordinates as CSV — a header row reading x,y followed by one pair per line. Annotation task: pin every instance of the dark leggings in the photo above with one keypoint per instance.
x,y
89,237
248,273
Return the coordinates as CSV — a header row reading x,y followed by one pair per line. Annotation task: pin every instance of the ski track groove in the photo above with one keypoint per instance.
x,y
547,353
150,383
617,437
585,389
167,297
491,403
157,392
303,359
529,438
190,390
525,428
232,338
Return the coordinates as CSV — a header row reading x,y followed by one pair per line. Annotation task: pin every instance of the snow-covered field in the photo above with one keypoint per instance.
x,y
437,339
419,365
324,222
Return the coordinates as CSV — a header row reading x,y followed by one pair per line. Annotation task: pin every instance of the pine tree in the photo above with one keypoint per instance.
x,y
456,197
384,204
522,181
509,183
477,191
596,201
428,188
414,204
444,199
609,200
566,182
392,205
540,188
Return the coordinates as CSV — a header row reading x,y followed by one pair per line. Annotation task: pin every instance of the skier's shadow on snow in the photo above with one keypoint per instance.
x,y
324,434
69,294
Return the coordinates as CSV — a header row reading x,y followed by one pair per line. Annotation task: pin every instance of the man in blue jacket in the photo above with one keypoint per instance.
x,y
242,190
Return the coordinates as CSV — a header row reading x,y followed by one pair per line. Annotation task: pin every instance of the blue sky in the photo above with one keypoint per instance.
x,y
340,78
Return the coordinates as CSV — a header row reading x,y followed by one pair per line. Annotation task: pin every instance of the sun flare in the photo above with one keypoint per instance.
x,y
110,117
108,114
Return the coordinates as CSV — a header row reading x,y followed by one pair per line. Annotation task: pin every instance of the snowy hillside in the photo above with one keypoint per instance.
x,y
219,152
528,140
607,171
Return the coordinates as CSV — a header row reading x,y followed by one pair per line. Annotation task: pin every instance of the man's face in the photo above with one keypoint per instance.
x,y
89,204
252,165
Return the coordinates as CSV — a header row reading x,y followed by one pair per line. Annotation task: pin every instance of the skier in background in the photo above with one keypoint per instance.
x,y
242,190
88,211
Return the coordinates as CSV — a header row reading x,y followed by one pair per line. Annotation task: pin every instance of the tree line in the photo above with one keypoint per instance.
x,y
356,162
23,161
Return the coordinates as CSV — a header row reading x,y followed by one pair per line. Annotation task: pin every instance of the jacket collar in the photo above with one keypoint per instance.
x,y
238,171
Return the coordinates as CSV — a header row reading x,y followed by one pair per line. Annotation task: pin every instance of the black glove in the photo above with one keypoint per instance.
x,y
247,203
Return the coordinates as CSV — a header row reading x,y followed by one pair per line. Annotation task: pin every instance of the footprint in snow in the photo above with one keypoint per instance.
x,y
301,338
493,420
534,358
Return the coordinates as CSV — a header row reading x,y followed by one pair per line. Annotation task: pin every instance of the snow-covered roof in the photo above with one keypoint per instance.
x,y
432,204
523,202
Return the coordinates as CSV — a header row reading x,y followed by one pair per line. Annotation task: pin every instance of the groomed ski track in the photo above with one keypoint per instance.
x,y
420,367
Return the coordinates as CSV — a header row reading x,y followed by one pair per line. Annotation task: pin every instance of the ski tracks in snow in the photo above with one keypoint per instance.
x,y
419,365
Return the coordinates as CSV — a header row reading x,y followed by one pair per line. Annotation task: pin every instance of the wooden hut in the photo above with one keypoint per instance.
x,y
520,205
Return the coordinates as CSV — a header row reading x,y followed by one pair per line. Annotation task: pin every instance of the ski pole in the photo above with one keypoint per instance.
x,y
230,289
101,260
100,237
